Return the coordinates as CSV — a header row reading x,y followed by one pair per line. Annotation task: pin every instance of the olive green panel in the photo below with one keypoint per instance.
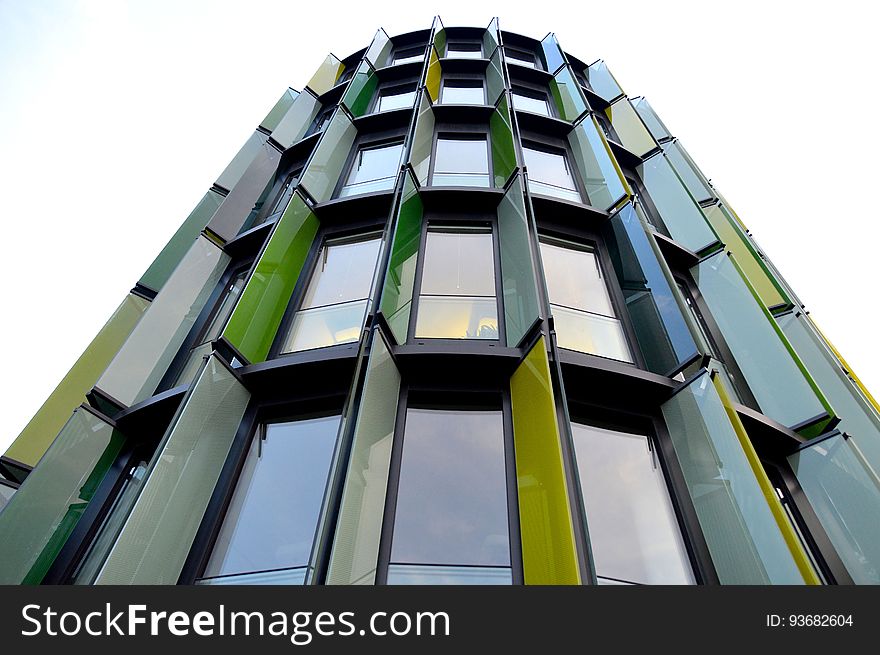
x,y
440,39
251,328
432,78
279,110
71,392
423,141
40,516
397,294
380,48
552,53
355,552
327,162
567,95
549,553
503,148
138,367
242,160
297,120
360,89
495,84
157,536
752,264
629,127
163,266
518,281
604,182
325,77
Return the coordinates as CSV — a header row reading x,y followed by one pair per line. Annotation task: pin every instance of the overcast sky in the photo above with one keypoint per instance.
x,y
116,117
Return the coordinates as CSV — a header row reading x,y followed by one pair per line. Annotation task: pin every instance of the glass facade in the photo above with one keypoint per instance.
x,y
374,169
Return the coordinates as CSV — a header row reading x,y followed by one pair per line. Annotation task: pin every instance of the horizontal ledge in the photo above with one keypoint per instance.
x,y
566,209
676,255
527,73
382,121
460,113
456,362
358,206
302,373
626,156
460,199
463,64
592,378
538,123
766,434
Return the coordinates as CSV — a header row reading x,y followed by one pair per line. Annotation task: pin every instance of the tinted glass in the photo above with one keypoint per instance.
x,y
271,520
460,92
461,162
633,530
374,169
550,174
534,103
398,99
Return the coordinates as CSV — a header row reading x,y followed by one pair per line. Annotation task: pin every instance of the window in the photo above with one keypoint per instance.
x,y
533,101
375,168
521,57
335,302
457,298
322,120
398,97
408,55
461,160
549,174
634,533
347,74
462,92
464,51
450,520
582,311
269,528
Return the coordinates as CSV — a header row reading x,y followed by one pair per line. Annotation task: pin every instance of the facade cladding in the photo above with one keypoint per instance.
x,y
459,312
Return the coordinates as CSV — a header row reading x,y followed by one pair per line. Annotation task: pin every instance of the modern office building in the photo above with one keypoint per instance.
x,y
460,311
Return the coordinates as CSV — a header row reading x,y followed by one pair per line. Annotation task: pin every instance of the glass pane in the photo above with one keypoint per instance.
x,y
503,148
464,51
459,263
279,110
227,303
326,326
402,574
844,491
377,53
396,100
140,364
744,539
604,182
155,541
409,55
536,105
566,93
297,120
688,172
40,516
423,141
355,552
6,493
344,272
521,58
457,92
360,90
549,554
254,322
652,300
194,363
590,333
328,160
452,496
461,156
374,169
239,164
574,278
633,134
325,77
433,75
602,82
495,84
652,121
273,514
552,52
771,371
295,576
679,212
457,317
549,173
633,530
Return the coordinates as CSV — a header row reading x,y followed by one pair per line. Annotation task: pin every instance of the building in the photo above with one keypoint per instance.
x,y
461,311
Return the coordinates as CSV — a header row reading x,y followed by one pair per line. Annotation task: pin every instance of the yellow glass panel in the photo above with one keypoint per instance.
x,y
432,80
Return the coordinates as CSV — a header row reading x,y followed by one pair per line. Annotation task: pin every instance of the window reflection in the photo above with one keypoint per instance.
x,y
549,173
461,162
375,169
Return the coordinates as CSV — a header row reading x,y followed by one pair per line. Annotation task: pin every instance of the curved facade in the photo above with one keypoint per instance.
x,y
459,312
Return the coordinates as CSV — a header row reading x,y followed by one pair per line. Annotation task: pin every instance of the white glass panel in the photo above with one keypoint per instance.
x,y
457,93
549,173
326,326
590,333
574,279
374,169
529,103
401,100
344,272
451,317
459,264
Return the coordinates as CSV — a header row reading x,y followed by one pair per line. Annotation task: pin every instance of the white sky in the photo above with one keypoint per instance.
x,y
115,118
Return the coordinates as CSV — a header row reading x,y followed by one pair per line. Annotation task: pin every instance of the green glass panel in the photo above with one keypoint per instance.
x,y
397,294
548,549
355,551
325,77
255,320
439,37
678,210
743,536
279,110
844,491
521,307
552,53
423,141
163,266
604,182
490,37
602,82
495,77
239,164
651,294
770,367
652,121
768,289
297,120
71,392
687,170
566,93
328,160
380,48
432,77
629,127
155,540
140,364
360,90
40,516
503,148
